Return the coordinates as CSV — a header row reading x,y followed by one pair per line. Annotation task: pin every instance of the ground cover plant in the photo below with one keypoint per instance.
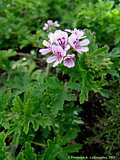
x,y
59,79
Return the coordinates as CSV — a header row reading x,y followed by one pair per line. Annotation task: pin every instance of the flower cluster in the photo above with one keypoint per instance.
x,y
59,45
50,24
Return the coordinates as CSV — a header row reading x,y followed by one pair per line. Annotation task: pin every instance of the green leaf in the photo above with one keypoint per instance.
x,y
27,153
2,146
17,104
4,54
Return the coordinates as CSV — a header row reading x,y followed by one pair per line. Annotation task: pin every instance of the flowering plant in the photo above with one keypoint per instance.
x,y
49,24
49,116
60,45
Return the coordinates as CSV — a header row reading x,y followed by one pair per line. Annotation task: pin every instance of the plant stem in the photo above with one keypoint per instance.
x,y
38,144
47,69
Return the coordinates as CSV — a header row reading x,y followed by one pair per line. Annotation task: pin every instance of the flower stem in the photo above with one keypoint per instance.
x,y
38,144
47,69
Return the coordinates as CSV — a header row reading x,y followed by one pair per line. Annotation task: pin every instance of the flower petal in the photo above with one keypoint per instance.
x,y
69,30
72,39
56,63
46,43
61,38
69,61
50,22
56,24
51,37
44,51
45,26
58,50
78,33
51,59
67,47
84,42
83,49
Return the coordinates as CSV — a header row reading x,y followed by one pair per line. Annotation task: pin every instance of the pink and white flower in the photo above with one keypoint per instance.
x,y
77,32
58,55
61,38
50,24
77,42
58,38
69,61
59,43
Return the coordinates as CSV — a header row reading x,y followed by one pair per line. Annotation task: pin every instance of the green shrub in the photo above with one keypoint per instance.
x,y
102,18
40,106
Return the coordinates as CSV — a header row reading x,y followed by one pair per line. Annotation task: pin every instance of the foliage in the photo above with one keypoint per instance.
x,y
40,106
107,128
37,101
23,20
93,69
102,18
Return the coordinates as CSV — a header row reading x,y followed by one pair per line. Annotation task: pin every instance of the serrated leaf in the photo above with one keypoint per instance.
x,y
17,104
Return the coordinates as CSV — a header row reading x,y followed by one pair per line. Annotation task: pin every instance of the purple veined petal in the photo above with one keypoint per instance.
x,y
58,62
51,59
61,38
78,33
71,56
46,43
72,39
44,51
84,42
58,51
79,46
69,61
